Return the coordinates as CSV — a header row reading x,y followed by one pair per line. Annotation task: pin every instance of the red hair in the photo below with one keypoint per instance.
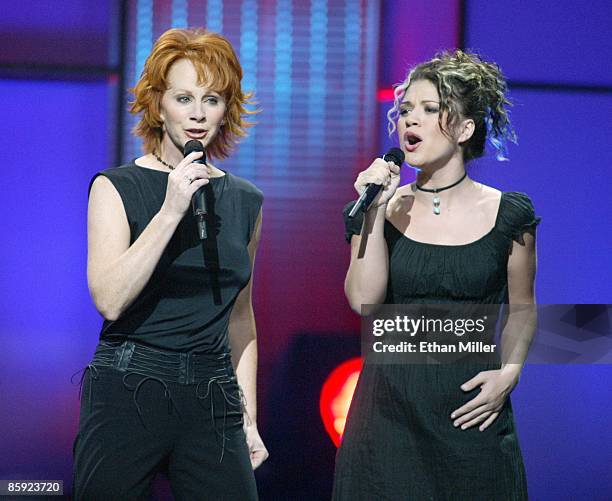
x,y
216,65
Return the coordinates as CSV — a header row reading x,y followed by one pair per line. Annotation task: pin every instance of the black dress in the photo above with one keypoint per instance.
x,y
399,442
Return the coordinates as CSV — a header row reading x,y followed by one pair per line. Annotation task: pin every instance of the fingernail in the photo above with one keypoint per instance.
x,y
455,424
453,415
464,427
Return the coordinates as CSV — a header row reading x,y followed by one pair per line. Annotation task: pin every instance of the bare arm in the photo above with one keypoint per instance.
x,y
243,342
243,336
517,335
521,326
117,272
366,278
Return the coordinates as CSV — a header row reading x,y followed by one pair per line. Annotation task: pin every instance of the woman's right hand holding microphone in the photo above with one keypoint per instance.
x,y
383,173
186,178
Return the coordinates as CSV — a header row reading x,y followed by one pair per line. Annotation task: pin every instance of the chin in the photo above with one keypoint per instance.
x,y
414,161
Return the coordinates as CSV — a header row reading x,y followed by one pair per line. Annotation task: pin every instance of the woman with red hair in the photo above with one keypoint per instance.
x,y
172,384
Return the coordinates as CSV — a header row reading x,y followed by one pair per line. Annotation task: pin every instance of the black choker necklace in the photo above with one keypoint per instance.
x,y
436,198
171,167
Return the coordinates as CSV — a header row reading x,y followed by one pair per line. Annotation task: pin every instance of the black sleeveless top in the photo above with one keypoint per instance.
x,y
475,272
186,305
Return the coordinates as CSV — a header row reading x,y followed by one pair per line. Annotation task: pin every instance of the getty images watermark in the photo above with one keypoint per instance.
x,y
476,333
410,327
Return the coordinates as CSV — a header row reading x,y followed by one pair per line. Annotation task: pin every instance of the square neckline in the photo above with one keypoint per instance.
x,y
479,239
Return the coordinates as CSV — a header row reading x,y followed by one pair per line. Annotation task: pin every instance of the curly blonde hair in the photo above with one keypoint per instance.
x,y
216,64
469,87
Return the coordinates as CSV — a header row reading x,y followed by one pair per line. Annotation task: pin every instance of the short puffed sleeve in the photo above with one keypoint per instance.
x,y
352,226
517,216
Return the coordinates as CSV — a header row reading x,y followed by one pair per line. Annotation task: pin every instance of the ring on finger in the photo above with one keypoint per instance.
x,y
189,179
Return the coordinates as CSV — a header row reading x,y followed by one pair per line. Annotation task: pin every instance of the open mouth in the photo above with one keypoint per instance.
x,y
411,140
196,133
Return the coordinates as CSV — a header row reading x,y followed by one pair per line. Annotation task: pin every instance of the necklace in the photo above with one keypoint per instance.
x,y
436,198
158,158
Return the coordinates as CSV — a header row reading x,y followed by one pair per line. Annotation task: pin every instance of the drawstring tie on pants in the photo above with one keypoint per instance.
x,y
166,367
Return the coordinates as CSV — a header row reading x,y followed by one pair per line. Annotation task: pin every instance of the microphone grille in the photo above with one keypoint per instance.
x,y
396,156
191,146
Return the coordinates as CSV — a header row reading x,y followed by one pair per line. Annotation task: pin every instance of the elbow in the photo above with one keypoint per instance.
x,y
360,290
354,300
108,311
357,303
356,307
357,299
110,315
106,306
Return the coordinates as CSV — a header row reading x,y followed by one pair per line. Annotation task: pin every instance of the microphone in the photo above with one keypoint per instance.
x,y
198,202
394,155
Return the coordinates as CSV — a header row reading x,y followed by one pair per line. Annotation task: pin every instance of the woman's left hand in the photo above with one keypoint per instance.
x,y
257,450
495,386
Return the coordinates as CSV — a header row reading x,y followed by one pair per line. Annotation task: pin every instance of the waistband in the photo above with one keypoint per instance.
x,y
170,366
206,370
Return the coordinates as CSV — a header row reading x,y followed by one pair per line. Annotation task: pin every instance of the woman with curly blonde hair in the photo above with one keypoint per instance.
x,y
445,431
172,384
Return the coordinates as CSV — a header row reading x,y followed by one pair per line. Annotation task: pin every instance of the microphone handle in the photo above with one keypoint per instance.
x,y
198,205
366,198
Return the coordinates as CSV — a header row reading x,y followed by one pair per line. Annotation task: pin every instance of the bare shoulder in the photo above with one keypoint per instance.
x,y
483,208
108,229
488,192
105,203
102,189
486,197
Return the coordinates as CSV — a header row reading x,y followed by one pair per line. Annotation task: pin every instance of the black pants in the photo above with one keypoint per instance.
x,y
145,410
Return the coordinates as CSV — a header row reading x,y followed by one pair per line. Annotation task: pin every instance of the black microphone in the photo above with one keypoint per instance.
x,y
198,202
394,155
